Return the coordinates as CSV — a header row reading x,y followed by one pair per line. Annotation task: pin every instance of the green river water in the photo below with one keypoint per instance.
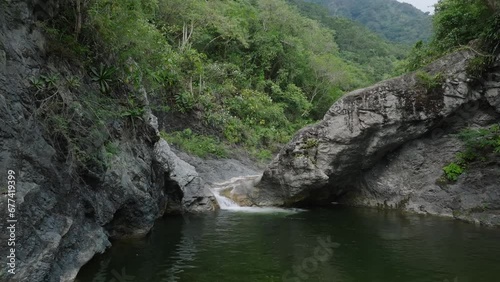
x,y
339,244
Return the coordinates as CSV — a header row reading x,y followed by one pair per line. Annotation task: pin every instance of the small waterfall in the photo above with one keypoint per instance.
x,y
242,185
224,202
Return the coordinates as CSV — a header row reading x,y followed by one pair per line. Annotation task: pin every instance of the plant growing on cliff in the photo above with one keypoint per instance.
x,y
479,144
37,83
477,66
185,101
51,80
482,140
73,82
103,76
453,171
310,143
428,81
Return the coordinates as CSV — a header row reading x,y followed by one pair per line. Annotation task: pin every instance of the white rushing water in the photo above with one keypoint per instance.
x,y
238,182
224,202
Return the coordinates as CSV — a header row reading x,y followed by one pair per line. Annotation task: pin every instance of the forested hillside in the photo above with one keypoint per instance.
x,y
376,56
220,73
395,21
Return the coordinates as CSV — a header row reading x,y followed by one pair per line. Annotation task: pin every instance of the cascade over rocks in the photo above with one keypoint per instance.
x,y
350,154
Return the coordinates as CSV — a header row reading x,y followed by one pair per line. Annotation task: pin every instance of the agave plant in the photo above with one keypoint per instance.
x,y
103,76
51,80
37,83
73,82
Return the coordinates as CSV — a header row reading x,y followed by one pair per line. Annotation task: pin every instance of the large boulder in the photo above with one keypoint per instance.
x,y
326,160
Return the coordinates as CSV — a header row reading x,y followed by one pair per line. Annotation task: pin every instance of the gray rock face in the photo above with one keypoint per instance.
x,y
195,195
344,153
411,177
65,218
219,170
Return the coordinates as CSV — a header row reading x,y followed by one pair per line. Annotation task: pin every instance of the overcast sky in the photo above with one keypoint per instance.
x,y
424,5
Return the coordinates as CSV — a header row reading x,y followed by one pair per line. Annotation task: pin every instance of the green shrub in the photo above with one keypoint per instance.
x,y
257,107
464,158
478,142
457,22
421,55
262,155
63,43
133,109
477,66
483,140
428,81
233,130
453,171
196,144
184,101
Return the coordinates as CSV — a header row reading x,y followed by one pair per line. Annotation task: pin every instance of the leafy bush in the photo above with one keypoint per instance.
x,y
258,108
464,158
199,145
420,55
64,44
478,142
484,140
428,81
73,82
453,171
477,66
185,101
262,155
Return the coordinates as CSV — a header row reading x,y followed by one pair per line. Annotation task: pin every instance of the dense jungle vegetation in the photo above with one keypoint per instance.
x,y
250,73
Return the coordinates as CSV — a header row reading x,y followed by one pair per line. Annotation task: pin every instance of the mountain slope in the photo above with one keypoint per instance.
x,y
395,21
375,55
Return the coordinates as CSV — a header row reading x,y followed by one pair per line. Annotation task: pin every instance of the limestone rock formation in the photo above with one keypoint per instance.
x,y
349,152
63,217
